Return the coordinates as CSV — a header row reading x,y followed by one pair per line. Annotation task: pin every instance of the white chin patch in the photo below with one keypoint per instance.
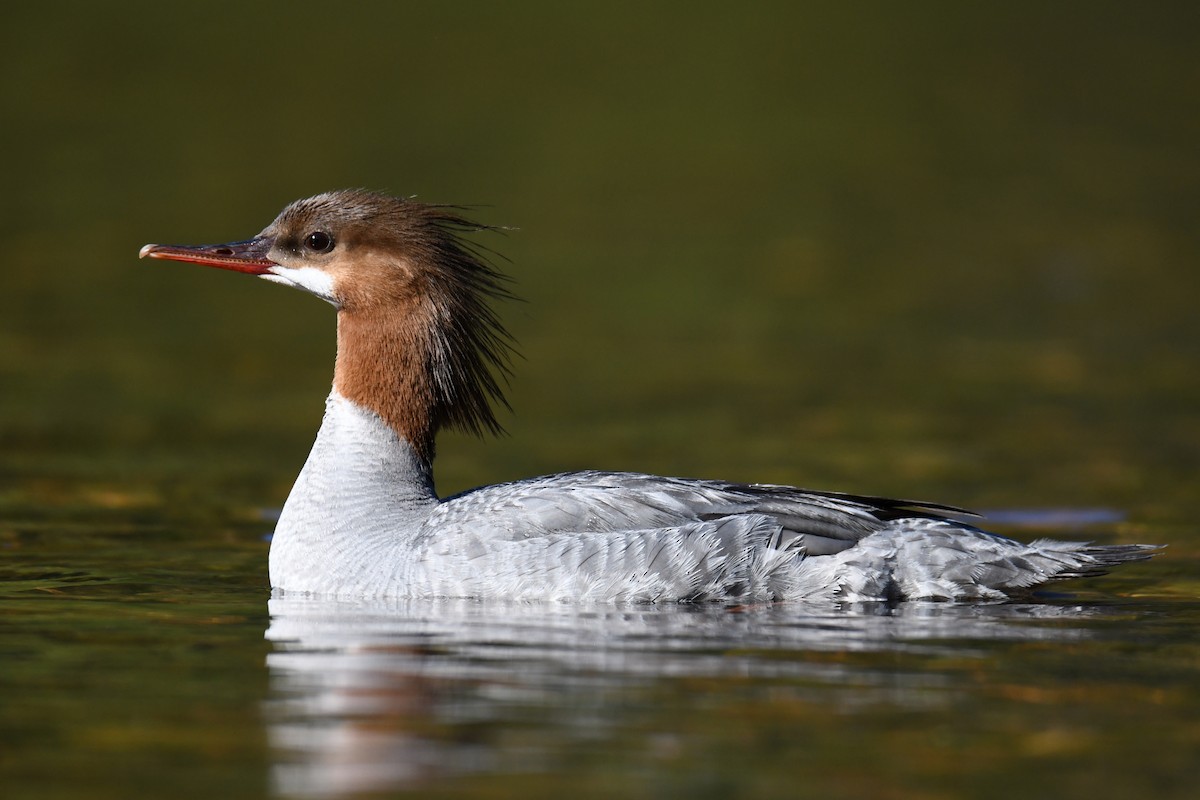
x,y
309,279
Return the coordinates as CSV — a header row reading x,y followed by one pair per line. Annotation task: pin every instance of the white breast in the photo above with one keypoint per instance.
x,y
348,525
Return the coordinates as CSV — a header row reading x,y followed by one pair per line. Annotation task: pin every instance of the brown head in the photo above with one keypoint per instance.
x,y
418,342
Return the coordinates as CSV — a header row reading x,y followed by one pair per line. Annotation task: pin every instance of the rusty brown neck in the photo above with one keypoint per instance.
x,y
383,366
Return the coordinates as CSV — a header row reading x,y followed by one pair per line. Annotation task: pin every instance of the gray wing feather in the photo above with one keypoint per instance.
x,y
595,502
627,536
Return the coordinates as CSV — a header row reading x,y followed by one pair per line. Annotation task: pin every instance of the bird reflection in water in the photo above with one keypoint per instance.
x,y
378,695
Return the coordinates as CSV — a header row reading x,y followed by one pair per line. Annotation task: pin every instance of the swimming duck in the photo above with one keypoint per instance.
x,y
420,348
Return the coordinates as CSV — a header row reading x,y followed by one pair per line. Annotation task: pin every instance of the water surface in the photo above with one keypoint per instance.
x,y
776,701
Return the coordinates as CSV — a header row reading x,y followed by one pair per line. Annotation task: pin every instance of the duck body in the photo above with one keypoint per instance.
x,y
418,349
363,520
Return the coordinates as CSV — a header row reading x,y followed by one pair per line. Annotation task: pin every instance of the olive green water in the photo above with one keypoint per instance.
x,y
912,250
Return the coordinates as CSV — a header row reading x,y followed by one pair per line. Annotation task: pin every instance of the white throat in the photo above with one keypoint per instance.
x,y
355,509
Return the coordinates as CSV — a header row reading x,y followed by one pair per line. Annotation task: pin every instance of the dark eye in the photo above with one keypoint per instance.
x,y
319,242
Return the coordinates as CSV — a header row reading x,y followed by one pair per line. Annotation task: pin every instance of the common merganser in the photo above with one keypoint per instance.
x,y
419,348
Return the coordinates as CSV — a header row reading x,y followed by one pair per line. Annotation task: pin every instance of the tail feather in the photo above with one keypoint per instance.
x,y
1098,559
937,560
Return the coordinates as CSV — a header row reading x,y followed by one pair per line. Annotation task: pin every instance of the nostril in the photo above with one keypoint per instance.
x,y
223,251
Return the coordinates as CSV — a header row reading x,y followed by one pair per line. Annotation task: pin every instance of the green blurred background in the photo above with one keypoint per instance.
x,y
943,250
936,249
